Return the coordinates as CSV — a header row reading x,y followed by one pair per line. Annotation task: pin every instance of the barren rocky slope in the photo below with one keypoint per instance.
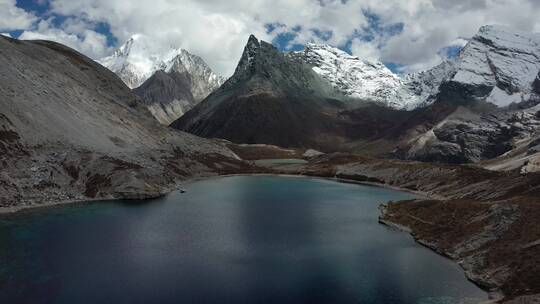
x,y
71,130
167,95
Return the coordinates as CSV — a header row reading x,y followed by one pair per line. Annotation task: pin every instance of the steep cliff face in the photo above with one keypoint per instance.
x,y
498,65
71,130
472,135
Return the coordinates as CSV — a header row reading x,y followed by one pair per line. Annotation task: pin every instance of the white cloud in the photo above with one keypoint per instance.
x,y
430,25
73,33
217,30
14,18
368,50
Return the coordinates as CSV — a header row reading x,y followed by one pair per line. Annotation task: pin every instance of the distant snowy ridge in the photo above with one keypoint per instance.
x,y
369,80
498,65
350,75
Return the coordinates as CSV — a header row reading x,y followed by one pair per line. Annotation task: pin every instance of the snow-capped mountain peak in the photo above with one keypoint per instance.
x,y
137,59
170,81
140,57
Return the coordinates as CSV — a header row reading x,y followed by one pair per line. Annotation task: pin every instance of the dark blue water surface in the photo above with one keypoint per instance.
x,y
243,239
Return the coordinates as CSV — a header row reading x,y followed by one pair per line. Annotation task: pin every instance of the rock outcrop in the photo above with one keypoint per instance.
x,y
466,136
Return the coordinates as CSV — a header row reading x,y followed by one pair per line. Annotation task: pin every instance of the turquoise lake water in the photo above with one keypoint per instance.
x,y
240,239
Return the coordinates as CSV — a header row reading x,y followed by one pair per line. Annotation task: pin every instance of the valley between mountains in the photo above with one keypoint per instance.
x,y
464,135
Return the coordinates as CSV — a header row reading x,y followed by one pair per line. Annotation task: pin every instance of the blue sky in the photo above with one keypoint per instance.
x,y
407,36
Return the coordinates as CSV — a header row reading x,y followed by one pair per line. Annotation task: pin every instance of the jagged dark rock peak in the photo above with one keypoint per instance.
x,y
269,99
265,68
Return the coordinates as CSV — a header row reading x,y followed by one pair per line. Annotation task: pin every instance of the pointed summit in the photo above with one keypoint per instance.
x,y
250,51
258,56
270,99
253,42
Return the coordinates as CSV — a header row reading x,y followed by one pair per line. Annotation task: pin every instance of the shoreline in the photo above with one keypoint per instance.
x,y
420,194
17,209
494,295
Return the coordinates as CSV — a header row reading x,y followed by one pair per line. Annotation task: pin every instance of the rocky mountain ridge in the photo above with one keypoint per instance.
x,y
487,93
498,65
356,78
370,80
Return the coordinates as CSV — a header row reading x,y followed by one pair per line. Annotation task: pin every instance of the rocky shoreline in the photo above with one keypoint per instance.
x,y
494,295
486,221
